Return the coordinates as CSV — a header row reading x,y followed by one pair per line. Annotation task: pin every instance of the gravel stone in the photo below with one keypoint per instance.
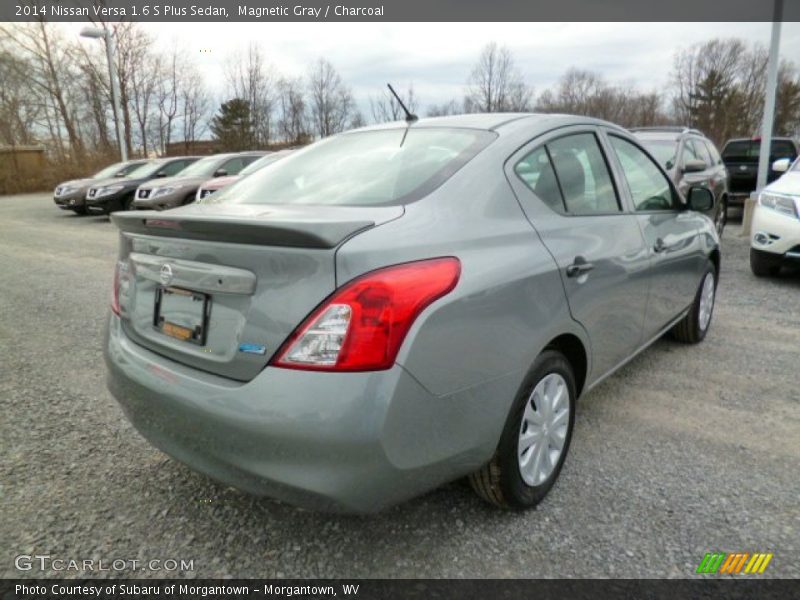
x,y
685,450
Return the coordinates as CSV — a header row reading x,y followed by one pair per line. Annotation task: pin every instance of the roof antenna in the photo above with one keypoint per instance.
x,y
410,117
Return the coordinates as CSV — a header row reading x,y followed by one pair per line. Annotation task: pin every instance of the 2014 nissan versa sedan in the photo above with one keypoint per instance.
x,y
398,306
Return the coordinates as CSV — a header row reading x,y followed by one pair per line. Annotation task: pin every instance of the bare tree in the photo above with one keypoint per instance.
x,y
18,115
583,92
706,79
495,84
444,109
50,67
385,107
251,78
331,103
292,111
195,104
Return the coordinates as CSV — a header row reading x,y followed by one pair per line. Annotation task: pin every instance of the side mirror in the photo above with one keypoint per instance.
x,y
220,173
781,165
700,199
694,166
669,164
161,174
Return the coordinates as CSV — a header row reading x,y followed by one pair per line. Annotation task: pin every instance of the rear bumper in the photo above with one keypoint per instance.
x,y
342,442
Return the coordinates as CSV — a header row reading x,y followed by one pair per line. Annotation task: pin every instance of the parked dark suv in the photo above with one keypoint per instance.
x,y
109,195
690,159
741,158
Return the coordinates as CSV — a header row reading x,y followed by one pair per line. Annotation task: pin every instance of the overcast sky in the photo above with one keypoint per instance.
x,y
437,57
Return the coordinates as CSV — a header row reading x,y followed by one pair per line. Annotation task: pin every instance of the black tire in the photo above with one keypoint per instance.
x,y
79,210
500,481
689,329
764,264
188,200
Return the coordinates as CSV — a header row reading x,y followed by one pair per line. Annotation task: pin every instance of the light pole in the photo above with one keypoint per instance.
x,y
108,36
769,98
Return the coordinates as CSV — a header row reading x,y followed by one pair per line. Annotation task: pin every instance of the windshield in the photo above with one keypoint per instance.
x,y
111,171
144,169
204,167
662,150
388,166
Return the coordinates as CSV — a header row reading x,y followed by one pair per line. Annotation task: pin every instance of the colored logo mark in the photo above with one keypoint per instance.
x,y
737,562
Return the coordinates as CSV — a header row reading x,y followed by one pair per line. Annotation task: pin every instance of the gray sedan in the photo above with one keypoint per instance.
x,y
402,305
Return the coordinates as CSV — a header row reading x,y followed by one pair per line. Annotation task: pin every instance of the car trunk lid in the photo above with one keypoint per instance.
x,y
220,287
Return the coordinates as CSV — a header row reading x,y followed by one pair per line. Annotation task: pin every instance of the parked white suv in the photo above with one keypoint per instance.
x,y
776,221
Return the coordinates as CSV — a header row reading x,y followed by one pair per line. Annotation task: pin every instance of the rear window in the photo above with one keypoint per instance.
x,y
748,150
368,168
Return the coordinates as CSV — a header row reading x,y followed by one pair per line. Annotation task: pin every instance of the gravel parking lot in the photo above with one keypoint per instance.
x,y
686,450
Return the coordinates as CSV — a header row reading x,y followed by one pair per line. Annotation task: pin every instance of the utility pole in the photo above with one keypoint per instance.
x,y
111,49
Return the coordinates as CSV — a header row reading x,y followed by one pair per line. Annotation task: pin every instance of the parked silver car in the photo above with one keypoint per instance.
x,y
398,306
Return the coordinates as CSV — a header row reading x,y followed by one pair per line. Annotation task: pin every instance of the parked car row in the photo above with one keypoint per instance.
x,y
147,184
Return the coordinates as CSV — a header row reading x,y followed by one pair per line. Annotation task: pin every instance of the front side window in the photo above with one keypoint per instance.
x,y
688,153
662,150
583,175
702,152
648,186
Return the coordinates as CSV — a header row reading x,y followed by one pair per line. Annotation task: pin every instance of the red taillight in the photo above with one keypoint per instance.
x,y
362,325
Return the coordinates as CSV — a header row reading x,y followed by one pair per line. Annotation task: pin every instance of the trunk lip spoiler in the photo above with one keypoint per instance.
x,y
287,231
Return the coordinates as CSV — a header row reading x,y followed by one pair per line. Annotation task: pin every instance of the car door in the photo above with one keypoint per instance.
x,y
671,233
565,188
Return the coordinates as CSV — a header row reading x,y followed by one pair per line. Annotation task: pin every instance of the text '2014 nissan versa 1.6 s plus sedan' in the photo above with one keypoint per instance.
x,y
398,306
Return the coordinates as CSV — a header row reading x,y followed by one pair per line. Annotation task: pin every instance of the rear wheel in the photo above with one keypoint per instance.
x,y
764,264
693,327
536,437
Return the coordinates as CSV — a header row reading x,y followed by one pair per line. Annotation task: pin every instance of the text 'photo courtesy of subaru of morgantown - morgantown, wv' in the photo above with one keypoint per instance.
x,y
337,331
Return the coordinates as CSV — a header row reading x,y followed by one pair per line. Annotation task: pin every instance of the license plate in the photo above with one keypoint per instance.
x,y
182,314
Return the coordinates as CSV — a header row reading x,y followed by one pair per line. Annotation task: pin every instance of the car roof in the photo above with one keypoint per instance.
x,y
498,122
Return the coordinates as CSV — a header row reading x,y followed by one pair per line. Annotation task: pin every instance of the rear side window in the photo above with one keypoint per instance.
x,y
649,187
748,150
582,175
536,171
783,149
367,168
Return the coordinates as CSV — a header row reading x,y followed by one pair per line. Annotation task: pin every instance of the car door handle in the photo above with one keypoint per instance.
x,y
578,267
659,246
